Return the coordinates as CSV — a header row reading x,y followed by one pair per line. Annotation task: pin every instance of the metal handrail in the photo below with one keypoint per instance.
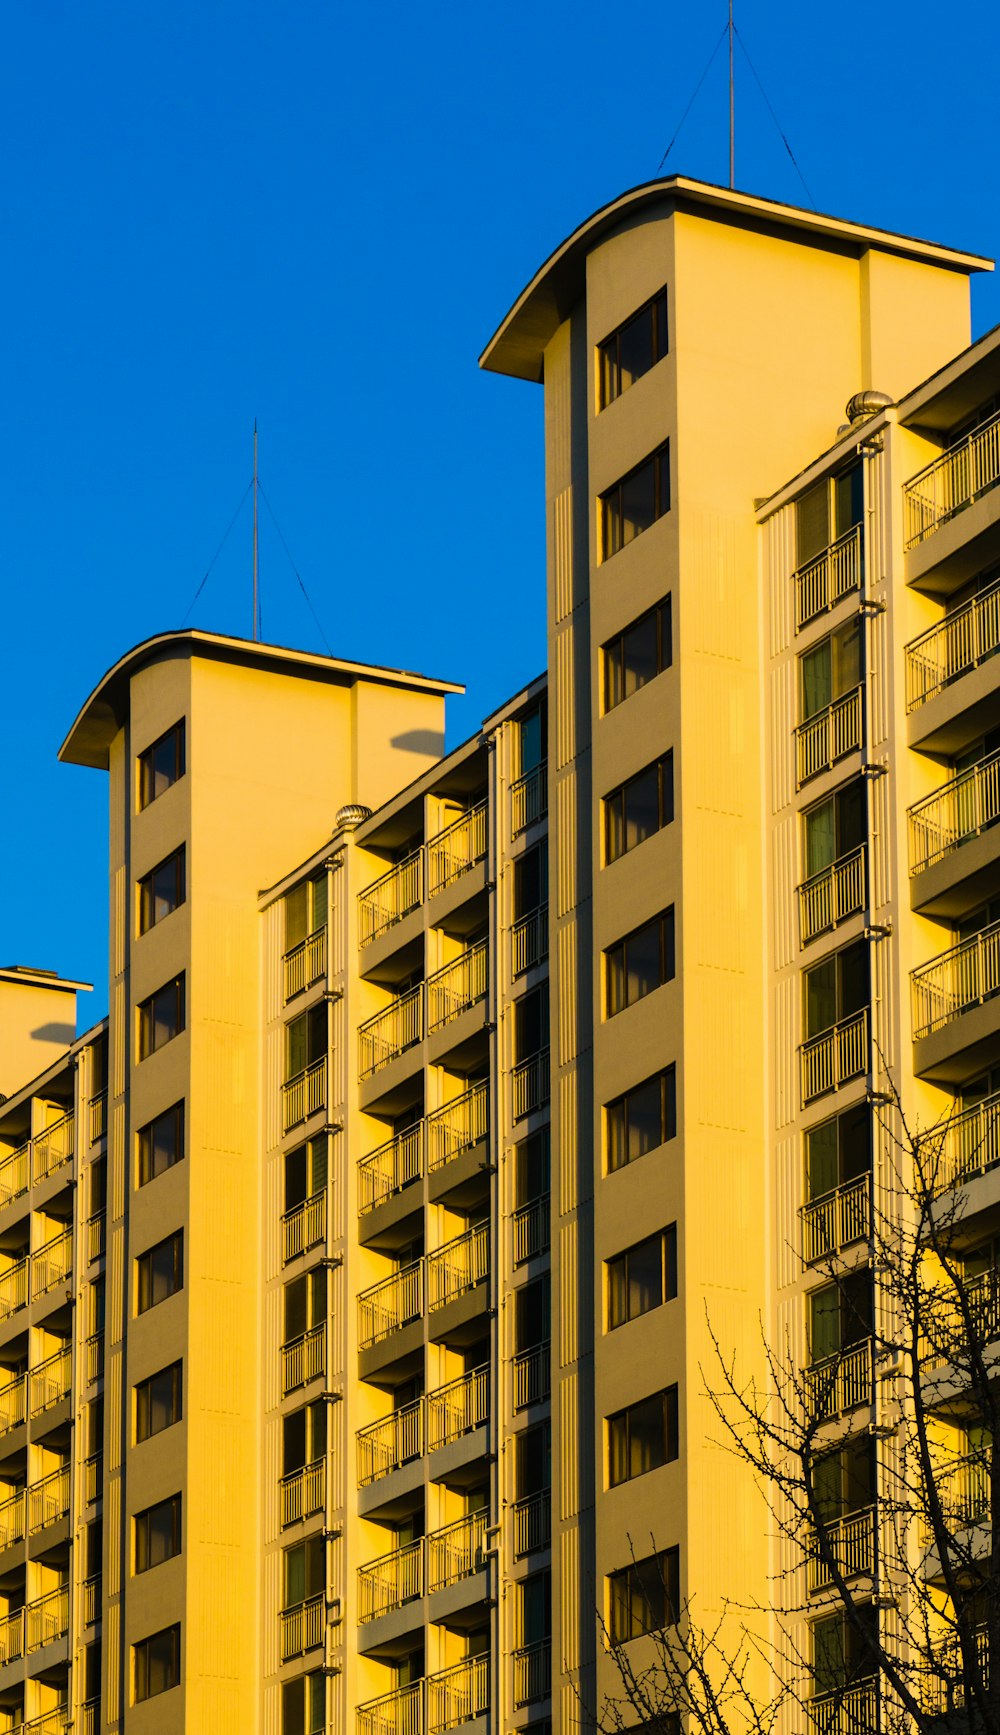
x,y
303,1226
304,964
303,1358
15,1170
387,1306
457,1125
830,735
457,986
50,1381
532,1523
967,1144
952,481
391,1581
836,1220
389,1443
53,1147
14,1288
303,1492
834,1056
391,1167
301,1627
385,902
531,1229
529,798
458,1695
51,1264
840,1382
532,1375
12,1518
458,1266
825,580
304,1094
529,940
531,1083
13,1399
962,977
851,1542
532,1672
452,851
48,1618
48,1499
387,1035
954,813
965,638
458,1407
828,897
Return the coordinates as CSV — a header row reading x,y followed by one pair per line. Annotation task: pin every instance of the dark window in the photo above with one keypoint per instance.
x,y
304,1571
844,1481
842,1653
305,911
642,1437
305,1040
826,511
531,881
836,827
157,1533
536,1609
531,1024
644,1596
633,349
533,1461
158,1402
161,765
637,655
830,670
840,1315
837,988
92,1670
636,502
157,1662
531,1316
98,1185
305,1171
161,1143
303,1437
305,1303
161,1017
838,1151
531,734
160,1272
303,1705
642,1119
642,806
642,961
162,891
643,1277
531,1170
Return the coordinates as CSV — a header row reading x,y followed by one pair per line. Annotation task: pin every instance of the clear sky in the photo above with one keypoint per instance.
x,y
316,214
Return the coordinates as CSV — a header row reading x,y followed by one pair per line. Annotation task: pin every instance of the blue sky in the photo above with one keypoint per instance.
x,y
316,215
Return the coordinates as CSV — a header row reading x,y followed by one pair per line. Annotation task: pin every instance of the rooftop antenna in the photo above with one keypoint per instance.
x,y
732,105
256,602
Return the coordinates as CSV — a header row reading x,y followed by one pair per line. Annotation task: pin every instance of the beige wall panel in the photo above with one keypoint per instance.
x,y
564,717
119,1043
571,1593
558,410
567,1486
567,1142
781,710
779,564
784,907
565,853
787,1198
914,319
880,697
567,1009
784,1050
561,545
568,1278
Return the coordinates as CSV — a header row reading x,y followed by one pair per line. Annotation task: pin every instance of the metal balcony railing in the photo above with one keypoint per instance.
x,y
983,1296
849,1711
48,1499
90,1718
12,1636
457,1408
531,1084
96,1235
301,1627
455,1551
303,1359
93,1357
391,1032
529,799
962,808
951,482
457,1126
303,1226
93,1478
458,1695
458,1266
48,1618
12,1516
98,1116
304,964
457,986
92,1600
303,1095
532,1523
531,1229
963,640
388,1306
532,1672
391,1581
391,898
835,1221
830,896
967,1490
50,1381
956,980
398,1713
52,1264
851,1542
455,849
58,1722
391,1167
13,1397
529,940
839,1383
53,1147
13,1288
834,1056
532,1375
823,582
830,735
15,1171
390,1443
966,1145
303,1492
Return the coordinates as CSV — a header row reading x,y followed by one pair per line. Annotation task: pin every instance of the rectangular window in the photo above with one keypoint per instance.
x,y
642,1437
632,350
642,961
840,1315
836,827
305,911
158,1402
830,670
636,502
841,1653
531,734
159,1272
531,1024
303,1705
304,1303
838,1152
836,988
157,1533
642,1119
827,511
644,1596
161,1143
844,1481
161,1017
637,654
305,1171
639,808
532,1315
531,881
161,764
531,1168
157,1663
305,1040
303,1437
533,1460
304,1571
643,1277
162,891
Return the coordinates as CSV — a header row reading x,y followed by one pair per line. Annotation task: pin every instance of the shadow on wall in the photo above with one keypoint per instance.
x,y
64,1033
429,741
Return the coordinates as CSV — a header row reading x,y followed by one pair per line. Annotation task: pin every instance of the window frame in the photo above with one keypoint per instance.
x,y
662,614
142,1392
670,1409
631,1579
663,768
667,1076
173,1633
665,921
669,1244
609,513
145,1147
146,768
606,366
174,1502
147,1018
144,1269
147,919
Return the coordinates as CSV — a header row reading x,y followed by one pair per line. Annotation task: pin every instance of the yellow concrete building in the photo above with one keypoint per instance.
x,y
357,1272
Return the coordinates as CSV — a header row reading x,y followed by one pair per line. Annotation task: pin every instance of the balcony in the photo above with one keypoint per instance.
x,y
532,1523
12,1515
825,581
532,1375
400,1712
303,1095
388,1306
834,1056
96,1234
304,964
92,1600
849,1711
836,1221
457,1408
970,635
851,1542
455,1551
53,1148
90,1718
391,898
532,1673
955,981
957,812
455,849
48,1500
98,1117
982,1294
829,736
529,940
458,1266
12,1636
839,1383
15,1171
303,1226
13,1288
390,1033
303,1359
531,1229
13,1397
529,799
390,1582
52,1264
457,987
93,1478
443,1701
458,1126
951,482
965,1146
47,1618
531,1083
387,1445
967,1496
444,1557
390,1168
827,898
303,1492
50,1381
301,1627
